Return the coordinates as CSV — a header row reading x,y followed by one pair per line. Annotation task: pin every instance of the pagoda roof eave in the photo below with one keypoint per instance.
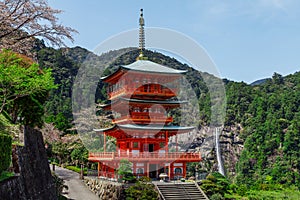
x,y
146,101
153,127
153,101
105,129
147,127
146,66
151,67
104,78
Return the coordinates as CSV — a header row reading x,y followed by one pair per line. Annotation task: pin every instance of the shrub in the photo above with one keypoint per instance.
x,y
216,197
5,152
142,189
77,169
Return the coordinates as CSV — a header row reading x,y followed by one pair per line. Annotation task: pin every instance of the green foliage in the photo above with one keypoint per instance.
x,y
5,151
271,155
286,194
69,153
125,171
77,169
23,88
216,197
142,189
215,184
5,175
80,155
59,107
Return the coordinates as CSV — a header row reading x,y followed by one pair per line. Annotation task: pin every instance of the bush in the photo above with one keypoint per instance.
x,y
77,169
216,197
142,189
215,183
5,152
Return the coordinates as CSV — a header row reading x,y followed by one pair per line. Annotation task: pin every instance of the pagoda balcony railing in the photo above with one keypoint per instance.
x,y
142,91
109,156
144,119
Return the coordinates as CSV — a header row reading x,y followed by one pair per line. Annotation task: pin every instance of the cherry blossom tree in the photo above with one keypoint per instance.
x,y
21,21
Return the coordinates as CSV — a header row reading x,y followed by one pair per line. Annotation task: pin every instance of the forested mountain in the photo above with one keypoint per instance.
x,y
262,120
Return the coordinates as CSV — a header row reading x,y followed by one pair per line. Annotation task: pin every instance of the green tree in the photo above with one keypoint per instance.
x,y
125,171
79,155
24,88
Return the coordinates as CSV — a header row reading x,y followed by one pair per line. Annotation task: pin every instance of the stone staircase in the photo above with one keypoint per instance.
x,y
180,191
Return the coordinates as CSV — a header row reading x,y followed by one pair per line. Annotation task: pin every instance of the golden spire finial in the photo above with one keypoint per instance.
x,y
141,36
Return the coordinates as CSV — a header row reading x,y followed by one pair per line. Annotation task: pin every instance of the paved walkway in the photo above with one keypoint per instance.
x,y
77,189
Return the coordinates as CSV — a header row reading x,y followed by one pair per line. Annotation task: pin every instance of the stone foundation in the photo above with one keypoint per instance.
x,y
105,189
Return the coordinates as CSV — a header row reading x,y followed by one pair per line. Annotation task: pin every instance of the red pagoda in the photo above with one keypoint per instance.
x,y
141,95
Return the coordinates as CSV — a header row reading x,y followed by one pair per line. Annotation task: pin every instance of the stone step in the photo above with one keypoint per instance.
x,y
182,191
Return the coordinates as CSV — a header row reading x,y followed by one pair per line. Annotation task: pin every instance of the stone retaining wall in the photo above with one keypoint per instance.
x,y
12,188
105,189
35,181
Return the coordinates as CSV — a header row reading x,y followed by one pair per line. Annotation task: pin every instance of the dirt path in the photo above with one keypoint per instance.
x,y
77,190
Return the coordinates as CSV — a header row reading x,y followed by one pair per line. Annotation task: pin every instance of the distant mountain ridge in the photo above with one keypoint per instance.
x,y
259,82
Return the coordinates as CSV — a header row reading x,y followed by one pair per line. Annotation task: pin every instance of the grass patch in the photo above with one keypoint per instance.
x,y
5,175
77,169
286,194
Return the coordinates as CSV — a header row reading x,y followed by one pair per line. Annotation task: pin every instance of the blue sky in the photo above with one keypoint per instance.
x,y
247,39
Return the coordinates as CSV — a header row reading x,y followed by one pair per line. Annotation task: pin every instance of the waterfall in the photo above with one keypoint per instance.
x,y
218,151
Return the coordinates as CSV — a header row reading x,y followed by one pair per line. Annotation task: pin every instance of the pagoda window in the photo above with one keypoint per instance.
x,y
136,109
140,170
178,170
145,110
146,147
161,145
135,145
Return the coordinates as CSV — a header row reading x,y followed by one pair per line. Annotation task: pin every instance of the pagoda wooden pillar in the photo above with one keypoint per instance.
x,y
104,170
147,169
172,171
104,142
169,171
184,170
167,141
134,168
99,168
176,141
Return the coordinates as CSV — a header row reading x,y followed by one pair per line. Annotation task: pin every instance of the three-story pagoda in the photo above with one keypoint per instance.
x,y
141,95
